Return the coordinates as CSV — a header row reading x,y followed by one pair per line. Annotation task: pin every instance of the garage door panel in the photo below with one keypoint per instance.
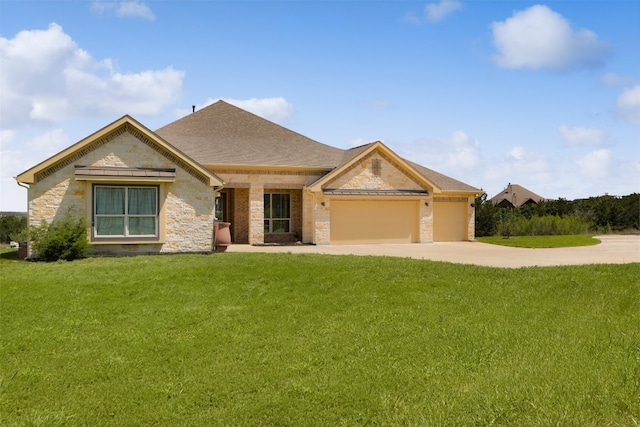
x,y
364,222
449,221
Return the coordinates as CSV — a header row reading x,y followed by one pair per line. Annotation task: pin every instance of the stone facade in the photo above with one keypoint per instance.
x,y
386,175
186,205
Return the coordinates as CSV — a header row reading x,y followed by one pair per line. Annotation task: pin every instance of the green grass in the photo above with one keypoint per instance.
x,y
541,241
312,340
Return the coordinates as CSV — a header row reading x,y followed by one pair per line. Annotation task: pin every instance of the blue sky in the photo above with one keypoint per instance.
x,y
545,95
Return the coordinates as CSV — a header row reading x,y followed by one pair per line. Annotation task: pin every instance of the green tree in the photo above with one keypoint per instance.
x,y
12,227
486,216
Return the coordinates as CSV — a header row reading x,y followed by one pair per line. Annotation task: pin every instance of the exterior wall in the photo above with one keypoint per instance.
x,y
254,183
361,176
471,219
322,220
240,215
187,208
426,220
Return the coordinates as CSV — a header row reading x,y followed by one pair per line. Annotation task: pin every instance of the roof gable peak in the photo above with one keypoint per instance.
x,y
125,124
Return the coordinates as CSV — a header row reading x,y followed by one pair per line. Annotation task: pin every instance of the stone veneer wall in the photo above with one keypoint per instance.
x,y
361,176
187,208
471,219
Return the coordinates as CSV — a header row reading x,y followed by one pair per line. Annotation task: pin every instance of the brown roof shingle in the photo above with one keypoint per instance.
x,y
515,195
223,134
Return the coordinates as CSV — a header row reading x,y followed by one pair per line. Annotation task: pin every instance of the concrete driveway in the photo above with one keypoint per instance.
x,y
614,249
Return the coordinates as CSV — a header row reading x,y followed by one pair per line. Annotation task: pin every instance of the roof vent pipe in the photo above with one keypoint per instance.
x,y
193,108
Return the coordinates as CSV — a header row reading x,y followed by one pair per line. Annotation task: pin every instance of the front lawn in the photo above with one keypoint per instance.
x,y
562,241
316,340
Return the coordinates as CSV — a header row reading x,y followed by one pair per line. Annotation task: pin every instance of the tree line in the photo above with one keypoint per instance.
x,y
601,214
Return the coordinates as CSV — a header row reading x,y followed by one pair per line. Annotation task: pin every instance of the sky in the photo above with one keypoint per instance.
x,y
541,94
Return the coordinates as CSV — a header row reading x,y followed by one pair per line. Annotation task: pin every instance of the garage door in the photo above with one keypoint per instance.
x,y
450,221
374,221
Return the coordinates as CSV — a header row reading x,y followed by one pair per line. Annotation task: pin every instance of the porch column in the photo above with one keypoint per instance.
x,y
256,214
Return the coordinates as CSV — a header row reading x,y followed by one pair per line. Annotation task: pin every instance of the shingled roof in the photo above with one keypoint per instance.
x,y
444,182
223,134
515,196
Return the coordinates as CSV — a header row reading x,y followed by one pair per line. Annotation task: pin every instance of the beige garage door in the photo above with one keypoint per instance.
x,y
449,221
374,221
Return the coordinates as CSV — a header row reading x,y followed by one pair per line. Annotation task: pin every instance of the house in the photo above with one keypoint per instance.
x,y
160,192
514,196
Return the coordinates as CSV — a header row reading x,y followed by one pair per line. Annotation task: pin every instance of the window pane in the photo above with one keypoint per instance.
x,y
142,201
280,206
280,226
267,205
220,208
109,201
266,226
142,226
109,226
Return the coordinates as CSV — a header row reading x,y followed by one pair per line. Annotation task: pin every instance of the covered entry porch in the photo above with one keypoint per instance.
x,y
261,216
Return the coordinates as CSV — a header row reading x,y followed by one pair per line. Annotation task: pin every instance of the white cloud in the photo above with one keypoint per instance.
x,y
582,136
451,155
436,12
48,77
135,9
628,105
276,109
50,142
541,38
124,9
595,164
521,165
613,79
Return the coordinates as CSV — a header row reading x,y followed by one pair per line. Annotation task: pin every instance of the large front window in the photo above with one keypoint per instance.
x,y
125,211
277,213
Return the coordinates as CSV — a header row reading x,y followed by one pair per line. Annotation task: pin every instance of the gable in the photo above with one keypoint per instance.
x,y
138,145
375,171
374,167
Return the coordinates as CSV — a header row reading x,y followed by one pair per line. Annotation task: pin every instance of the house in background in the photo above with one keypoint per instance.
x,y
160,192
514,196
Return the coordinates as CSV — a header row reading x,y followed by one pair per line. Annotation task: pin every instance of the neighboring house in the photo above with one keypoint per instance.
x,y
514,196
160,192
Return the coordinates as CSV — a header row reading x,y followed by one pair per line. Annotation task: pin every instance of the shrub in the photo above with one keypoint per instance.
x,y
514,224
65,239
